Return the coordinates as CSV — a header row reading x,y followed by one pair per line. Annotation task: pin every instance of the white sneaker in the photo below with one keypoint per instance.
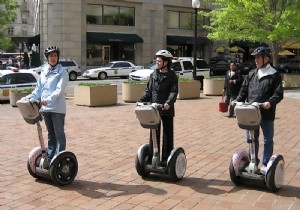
x,y
263,170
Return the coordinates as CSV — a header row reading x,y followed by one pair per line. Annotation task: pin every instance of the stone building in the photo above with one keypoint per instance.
x,y
94,32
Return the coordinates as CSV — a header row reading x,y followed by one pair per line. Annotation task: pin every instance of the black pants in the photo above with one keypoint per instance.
x,y
168,137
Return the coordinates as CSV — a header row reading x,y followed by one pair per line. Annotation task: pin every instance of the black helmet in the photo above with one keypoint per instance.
x,y
262,51
51,49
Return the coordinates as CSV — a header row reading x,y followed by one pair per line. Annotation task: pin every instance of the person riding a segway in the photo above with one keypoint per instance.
x,y
50,94
162,90
262,90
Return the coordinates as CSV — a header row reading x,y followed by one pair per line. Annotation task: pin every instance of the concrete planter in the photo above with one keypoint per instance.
x,y
188,90
290,80
14,97
213,86
132,92
96,95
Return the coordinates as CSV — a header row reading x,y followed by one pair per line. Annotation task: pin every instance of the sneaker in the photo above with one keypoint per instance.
x,y
263,170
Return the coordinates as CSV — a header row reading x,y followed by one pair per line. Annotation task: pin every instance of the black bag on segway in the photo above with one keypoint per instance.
x,y
248,116
148,116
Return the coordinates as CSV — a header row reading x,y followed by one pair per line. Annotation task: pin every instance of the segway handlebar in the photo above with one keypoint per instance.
x,y
256,104
154,105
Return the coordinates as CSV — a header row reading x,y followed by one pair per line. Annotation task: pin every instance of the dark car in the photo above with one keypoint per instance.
x,y
246,67
219,69
289,66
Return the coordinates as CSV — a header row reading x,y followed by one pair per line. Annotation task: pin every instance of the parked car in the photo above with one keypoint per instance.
x,y
69,64
182,66
112,69
289,66
219,69
16,79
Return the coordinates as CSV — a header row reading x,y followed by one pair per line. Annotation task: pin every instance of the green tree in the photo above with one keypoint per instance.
x,y
273,22
7,15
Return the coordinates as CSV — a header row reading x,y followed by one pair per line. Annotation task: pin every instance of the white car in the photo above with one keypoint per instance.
x,y
112,69
143,74
69,64
16,79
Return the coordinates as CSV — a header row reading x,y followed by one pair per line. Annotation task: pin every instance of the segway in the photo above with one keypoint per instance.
x,y
243,169
63,167
149,118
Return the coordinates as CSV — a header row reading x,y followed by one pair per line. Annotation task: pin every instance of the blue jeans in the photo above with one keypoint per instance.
x,y
267,127
55,123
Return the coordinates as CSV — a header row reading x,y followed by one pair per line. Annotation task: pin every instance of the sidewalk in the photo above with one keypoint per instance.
x,y
105,141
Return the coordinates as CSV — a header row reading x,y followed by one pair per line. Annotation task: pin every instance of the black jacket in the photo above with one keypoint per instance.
x,y
162,88
230,88
268,88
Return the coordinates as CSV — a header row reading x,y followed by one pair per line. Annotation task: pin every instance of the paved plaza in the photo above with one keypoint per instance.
x,y
105,141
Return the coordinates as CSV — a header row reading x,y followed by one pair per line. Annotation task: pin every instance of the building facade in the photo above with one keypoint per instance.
x,y
95,32
21,29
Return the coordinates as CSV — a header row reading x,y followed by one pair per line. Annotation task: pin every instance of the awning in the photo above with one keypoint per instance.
x,y
99,37
236,49
286,52
186,40
222,49
292,44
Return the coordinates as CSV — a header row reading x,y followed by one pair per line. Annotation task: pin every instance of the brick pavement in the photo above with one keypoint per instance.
x,y
105,141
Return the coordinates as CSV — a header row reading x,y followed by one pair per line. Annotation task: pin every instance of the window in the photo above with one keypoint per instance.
x,y
24,31
110,15
176,66
187,65
67,63
201,64
94,14
24,78
10,31
24,18
185,20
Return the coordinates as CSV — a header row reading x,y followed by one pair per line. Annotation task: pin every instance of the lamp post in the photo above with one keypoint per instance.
x,y
20,58
196,6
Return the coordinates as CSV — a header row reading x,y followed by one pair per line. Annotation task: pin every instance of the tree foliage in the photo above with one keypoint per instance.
x,y
7,15
273,22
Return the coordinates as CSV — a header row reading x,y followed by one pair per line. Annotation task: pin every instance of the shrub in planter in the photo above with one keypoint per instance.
x,y
17,94
133,90
188,88
95,94
213,86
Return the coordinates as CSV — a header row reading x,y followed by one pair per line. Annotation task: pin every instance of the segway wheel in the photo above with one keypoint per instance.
x,y
30,171
33,157
177,164
275,174
63,168
234,178
141,160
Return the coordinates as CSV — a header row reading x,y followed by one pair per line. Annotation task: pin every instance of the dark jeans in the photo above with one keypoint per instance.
x,y
168,137
55,123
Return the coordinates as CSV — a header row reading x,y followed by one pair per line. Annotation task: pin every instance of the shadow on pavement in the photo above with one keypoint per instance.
x,y
197,184
106,189
285,191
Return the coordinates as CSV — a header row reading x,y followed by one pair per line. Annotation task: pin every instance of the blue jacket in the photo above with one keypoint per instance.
x,y
51,88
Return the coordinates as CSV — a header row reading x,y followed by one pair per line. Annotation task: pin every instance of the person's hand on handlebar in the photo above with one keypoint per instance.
x,y
166,106
266,105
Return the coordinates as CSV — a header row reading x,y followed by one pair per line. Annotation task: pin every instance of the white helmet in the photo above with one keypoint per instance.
x,y
164,54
